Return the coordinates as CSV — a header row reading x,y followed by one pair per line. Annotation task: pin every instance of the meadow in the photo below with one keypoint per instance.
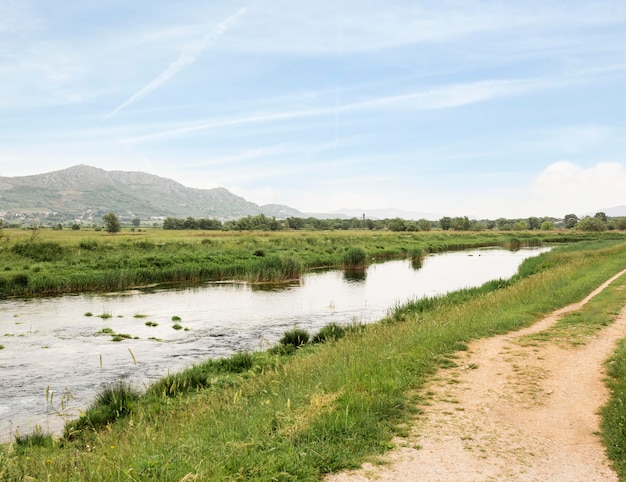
x,y
304,409
51,262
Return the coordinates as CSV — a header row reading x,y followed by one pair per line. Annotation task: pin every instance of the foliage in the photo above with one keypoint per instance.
x,y
570,221
295,337
614,413
111,223
328,407
591,224
547,226
354,257
79,261
114,401
332,331
37,438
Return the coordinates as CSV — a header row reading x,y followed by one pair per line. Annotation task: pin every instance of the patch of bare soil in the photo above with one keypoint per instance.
x,y
510,412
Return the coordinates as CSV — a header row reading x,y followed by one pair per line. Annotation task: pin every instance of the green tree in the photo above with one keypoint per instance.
x,y
425,225
570,221
445,223
591,224
397,224
620,223
547,226
461,223
601,216
136,222
111,223
534,223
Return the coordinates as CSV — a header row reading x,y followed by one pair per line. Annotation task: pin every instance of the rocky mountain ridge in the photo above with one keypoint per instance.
x,y
84,193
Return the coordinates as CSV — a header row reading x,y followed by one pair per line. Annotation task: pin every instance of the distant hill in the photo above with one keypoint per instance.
x,y
86,193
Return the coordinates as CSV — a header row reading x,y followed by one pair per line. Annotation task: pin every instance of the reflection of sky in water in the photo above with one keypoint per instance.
x,y
49,342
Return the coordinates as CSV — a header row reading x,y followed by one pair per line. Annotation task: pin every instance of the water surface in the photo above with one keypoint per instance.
x,y
51,346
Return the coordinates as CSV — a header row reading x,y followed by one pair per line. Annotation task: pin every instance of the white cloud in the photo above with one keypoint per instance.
x,y
187,57
564,187
446,97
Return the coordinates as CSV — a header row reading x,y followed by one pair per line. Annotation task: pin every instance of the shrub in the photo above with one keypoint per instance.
x,y
21,280
48,251
37,438
295,337
354,257
114,401
88,245
332,331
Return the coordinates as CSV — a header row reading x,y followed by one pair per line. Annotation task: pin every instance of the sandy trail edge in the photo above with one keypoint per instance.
x,y
511,412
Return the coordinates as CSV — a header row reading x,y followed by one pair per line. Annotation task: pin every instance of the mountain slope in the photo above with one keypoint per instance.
x,y
84,190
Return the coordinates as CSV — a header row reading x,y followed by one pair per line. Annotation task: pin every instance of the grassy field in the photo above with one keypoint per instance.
x,y
47,262
298,413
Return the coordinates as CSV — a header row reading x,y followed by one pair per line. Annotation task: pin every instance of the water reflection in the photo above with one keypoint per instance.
x,y
355,275
49,342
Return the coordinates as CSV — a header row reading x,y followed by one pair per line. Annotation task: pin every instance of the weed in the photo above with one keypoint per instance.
x,y
354,257
176,318
177,327
151,323
332,331
112,402
37,438
295,337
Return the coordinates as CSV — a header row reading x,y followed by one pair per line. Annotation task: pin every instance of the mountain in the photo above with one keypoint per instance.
x,y
614,212
85,192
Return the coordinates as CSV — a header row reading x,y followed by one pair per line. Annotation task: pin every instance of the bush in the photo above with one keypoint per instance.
x,y
38,438
20,280
295,337
354,257
47,251
332,331
114,401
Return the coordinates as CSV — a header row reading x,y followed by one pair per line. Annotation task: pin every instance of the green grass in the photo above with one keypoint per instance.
x,y
324,408
614,413
69,261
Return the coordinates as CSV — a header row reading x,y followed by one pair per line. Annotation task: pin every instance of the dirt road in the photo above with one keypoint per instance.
x,y
510,411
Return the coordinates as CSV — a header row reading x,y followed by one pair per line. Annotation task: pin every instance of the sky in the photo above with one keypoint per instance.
x,y
481,108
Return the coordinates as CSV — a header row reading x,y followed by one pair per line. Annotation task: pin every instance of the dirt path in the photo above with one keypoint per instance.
x,y
511,412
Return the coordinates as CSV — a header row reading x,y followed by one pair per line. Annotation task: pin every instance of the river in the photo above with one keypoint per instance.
x,y
55,357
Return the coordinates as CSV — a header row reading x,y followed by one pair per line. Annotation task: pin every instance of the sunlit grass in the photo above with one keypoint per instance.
x,y
323,408
68,261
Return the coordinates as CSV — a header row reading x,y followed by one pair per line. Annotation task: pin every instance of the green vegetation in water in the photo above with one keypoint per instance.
x,y
151,323
176,318
324,407
68,262
89,313
176,326
1,347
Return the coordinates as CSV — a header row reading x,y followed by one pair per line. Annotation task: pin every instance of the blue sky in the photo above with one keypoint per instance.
x,y
487,108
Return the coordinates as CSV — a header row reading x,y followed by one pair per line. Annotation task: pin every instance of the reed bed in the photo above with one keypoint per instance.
x,y
325,408
58,262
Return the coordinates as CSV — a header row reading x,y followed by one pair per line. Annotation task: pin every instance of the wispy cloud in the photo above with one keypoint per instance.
x,y
187,57
446,97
